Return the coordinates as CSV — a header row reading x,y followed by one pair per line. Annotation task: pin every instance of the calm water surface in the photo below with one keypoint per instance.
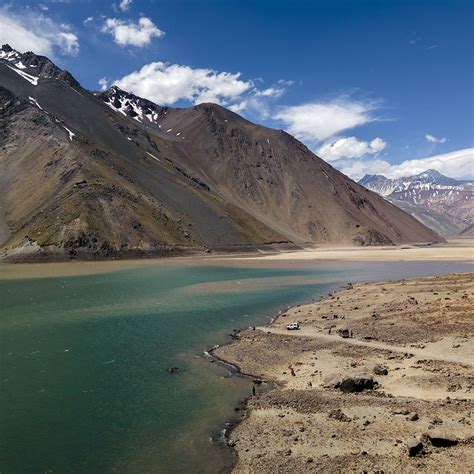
x,y
83,379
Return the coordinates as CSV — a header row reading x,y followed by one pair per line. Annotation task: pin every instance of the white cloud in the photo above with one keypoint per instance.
x,y
350,147
433,139
317,121
68,42
239,107
124,5
456,164
87,20
37,33
168,83
270,92
285,82
133,34
103,83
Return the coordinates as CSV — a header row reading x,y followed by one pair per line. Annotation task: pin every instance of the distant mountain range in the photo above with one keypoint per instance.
x,y
444,204
99,175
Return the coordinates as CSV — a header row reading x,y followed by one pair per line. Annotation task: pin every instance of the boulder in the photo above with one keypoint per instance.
x,y
343,332
414,447
338,415
351,383
441,439
380,370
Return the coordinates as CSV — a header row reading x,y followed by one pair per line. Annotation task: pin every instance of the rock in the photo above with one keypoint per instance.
x,y
172,370
338,415
331,381
343,332
351,383
400,411
414,447
441,439
413,416
380,370
357,383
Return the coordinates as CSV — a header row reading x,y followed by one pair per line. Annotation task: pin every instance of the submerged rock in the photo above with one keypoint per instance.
x,y
172,370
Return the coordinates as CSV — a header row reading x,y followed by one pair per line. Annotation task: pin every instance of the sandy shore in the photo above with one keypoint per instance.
x,y
456,249
461,250
413,340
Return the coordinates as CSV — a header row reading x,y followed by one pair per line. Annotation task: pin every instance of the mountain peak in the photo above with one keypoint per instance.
x,y
36,66
430,174
130,105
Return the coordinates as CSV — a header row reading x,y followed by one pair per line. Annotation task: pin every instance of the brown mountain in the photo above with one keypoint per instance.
x,y
100,175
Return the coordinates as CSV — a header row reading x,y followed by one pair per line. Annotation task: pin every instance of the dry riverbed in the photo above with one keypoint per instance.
x,y
411,356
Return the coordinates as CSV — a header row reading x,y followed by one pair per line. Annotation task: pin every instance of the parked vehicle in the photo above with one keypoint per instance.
x,y
293,326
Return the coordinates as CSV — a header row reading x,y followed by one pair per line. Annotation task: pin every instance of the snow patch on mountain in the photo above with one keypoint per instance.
x,y
427,192
32,79
141,110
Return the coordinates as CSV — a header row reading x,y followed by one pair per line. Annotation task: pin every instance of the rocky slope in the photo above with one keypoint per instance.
x,y
444,204
109,174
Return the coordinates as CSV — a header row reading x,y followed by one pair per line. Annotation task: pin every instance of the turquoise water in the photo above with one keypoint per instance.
x,y
83,379
84,359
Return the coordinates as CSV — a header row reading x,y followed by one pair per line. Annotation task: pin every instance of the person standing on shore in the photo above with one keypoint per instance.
x,y
253,390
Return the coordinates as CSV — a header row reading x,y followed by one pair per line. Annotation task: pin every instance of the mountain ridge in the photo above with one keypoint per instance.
x,y
442,203
147,179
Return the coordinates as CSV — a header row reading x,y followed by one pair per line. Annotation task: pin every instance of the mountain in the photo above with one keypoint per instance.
x,y
444,204
109,174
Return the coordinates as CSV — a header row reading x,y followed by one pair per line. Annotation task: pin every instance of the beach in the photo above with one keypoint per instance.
x,y
396,396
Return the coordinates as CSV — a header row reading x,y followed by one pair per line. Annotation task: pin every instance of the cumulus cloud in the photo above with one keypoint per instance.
x,y
433,139
239,106
132,34
124,5
317,121
456,164
350,147
37,33
168,83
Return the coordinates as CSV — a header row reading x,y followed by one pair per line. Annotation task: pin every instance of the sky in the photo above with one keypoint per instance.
x,y
371,86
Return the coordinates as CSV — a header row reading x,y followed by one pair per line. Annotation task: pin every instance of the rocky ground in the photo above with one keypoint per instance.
x,y
396,397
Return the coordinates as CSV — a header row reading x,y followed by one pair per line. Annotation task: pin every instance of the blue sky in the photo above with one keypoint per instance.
x,y
371,86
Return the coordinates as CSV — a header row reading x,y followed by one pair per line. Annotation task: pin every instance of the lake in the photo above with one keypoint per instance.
x,y
84,386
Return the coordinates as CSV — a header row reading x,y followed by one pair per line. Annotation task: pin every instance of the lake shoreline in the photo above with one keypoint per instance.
x,y
263,354
454,250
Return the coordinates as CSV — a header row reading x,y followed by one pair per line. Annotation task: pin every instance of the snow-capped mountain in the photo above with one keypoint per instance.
x,y
104,174
130,105
33,68
442,203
